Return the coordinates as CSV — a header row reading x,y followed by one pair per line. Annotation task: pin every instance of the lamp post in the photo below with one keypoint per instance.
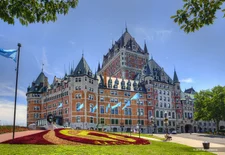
x,y
166,121
152,123
139,114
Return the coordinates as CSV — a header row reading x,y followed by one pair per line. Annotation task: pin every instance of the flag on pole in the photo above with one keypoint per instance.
x,y
117,105
126,105
93,109
80,107
136,96
11,53
107,108
60,105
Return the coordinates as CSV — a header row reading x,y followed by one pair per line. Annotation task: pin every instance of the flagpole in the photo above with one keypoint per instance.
x,y
110,119
130,120
17,72
121,118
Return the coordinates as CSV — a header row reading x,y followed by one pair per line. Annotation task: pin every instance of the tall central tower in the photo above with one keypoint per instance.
x,y
125,59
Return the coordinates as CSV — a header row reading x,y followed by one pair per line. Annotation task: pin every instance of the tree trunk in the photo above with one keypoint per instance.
x,y
217,125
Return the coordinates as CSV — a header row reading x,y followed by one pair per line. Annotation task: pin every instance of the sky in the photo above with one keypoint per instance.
x,y
90,29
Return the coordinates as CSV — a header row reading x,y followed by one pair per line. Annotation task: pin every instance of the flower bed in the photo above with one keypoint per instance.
x,y
8,129
97,138
31,139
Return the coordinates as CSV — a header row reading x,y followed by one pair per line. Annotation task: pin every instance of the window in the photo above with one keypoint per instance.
x,y
66,102
78,119
66,111
149,103
101,98
161,114
102,121
114,111
164,105
168,105
78,96
141,122
157,113
102,109
127,111
128,121
173,115
114,121
91,120
101,91
140,112
149,96
149,113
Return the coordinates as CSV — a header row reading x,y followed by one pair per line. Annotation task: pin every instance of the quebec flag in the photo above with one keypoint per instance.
x,y
93,110
126,105
60,105
80,107
117,105
11,53
136,96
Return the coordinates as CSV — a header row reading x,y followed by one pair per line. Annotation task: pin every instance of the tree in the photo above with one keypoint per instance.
x,y
197,13
32,11
210,105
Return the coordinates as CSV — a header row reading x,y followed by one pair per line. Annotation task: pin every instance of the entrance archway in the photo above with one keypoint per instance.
x,y
195,129
182,129
222,127
188,128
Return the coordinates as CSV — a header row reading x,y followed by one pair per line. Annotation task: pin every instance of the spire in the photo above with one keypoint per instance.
x,y
175,78
42,67
95,74
126,30
152,57
99,68
145,48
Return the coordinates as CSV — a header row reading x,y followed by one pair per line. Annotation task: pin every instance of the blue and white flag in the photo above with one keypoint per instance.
x,y
80,107
11,53
107,108
60,105
117,105
136,96
126,105
93,109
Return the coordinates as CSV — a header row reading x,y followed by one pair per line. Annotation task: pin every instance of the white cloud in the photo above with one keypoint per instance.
x,y
7,89
7,113
150,34
187,80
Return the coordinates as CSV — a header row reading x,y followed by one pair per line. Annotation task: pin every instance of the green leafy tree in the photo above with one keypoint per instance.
x,y
197,13
210,105
34,11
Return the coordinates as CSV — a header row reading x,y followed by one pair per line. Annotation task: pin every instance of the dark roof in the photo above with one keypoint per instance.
x,y
38,85
175,78
82,68
190,91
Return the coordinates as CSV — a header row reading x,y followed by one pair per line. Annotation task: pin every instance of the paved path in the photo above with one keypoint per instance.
x,y
8,136
215,147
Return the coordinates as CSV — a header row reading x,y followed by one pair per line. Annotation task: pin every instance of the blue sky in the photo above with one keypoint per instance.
x,y
198,57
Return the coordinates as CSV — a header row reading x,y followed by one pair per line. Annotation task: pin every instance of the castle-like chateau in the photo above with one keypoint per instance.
x,y
126,70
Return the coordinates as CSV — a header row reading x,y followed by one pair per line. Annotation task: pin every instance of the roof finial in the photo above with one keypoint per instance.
x,y
82,53
126,27
42,67
152,56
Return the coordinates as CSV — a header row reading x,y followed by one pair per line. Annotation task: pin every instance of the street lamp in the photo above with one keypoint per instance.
x,y
166,120
152,121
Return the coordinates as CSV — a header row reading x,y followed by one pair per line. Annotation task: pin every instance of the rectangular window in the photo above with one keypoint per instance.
x,y
101,98
102,121
140,112
91,120
78,119
127,111
102,109
149,113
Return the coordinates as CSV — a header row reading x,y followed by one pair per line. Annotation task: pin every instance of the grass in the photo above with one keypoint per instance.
x,y
155,147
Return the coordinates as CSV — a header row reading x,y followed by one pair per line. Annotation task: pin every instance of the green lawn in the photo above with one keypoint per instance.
x,y
154,148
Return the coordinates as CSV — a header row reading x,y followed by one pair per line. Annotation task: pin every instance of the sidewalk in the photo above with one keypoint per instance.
x,y
8,136
195,143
